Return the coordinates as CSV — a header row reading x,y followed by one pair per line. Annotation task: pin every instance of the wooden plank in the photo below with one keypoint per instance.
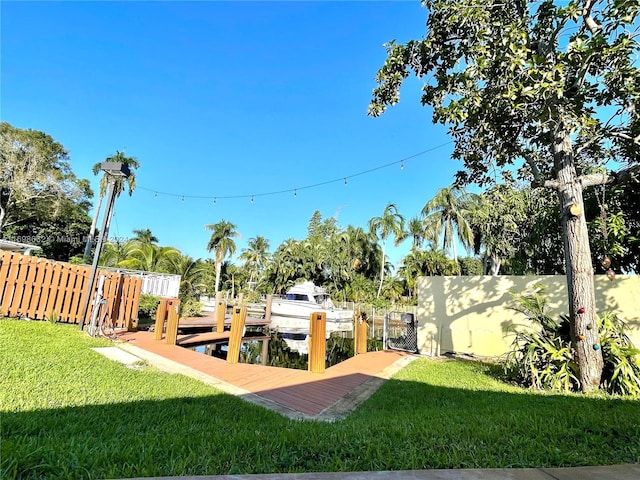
x,y
16,301
45,288
79,285
61,293
133,303
38,286
6,260
27,294
52,294
202,338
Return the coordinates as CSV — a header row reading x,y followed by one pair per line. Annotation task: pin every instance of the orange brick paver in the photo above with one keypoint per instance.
x,y
298,390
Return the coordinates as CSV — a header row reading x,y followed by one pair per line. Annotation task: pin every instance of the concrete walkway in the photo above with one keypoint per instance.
x,y
613,472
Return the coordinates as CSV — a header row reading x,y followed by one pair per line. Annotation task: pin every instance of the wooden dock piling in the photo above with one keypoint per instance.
x,y
318,344
161,317
237,328
361,334
173,306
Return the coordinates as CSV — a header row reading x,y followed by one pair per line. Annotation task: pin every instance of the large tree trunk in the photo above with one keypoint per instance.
x,y
582,308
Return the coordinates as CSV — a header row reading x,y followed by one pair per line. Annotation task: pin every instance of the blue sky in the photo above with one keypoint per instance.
x,y
227,99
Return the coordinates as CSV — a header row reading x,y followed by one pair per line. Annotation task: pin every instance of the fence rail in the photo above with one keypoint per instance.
x,y
39,289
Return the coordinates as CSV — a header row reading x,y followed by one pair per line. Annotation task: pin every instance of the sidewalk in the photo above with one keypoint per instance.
x,y
612,472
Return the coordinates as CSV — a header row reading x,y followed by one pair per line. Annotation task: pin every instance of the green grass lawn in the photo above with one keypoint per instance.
x,y
68,412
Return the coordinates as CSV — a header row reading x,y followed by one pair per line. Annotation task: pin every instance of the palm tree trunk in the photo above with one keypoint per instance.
x,y
92,230
218,270
381,272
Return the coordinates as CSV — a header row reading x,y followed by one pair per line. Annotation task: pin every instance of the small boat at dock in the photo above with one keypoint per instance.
x,y
291,313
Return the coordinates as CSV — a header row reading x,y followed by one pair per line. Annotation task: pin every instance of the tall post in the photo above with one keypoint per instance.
x,y
237,329
161,316
361,334
96,255
318,343
172,321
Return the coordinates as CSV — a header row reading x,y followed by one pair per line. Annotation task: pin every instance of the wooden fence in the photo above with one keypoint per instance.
x,y
39,289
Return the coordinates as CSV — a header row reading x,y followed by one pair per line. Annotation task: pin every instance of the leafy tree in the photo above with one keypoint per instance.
x,y
390,223
119,187
615,228
497,217
445,216
222,244
38,190
548,89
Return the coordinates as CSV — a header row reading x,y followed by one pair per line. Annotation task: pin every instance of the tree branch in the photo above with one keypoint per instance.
x,y
624,136
594,179
591,24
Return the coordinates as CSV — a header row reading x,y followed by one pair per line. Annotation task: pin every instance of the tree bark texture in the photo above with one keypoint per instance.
x,y
580,286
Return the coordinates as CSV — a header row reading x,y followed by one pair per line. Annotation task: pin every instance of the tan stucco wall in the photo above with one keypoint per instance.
x,y
470,314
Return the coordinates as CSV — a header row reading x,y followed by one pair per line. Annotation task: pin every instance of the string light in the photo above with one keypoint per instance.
x,y
295,190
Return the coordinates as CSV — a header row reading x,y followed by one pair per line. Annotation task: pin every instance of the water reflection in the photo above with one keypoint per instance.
x,y
288,350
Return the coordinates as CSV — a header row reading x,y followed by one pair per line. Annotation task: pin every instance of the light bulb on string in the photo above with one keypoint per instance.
x,y
155,194
215,200
251,198
345,181
182,200
401,164
295,192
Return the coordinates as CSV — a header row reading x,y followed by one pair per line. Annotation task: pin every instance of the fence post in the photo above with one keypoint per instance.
x,y
172,322
318,345
161,316
235,338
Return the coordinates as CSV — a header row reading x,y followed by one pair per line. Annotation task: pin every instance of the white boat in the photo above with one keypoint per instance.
x,y
292,313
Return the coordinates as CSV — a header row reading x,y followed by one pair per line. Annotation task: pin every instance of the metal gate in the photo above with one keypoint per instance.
x,y
401,331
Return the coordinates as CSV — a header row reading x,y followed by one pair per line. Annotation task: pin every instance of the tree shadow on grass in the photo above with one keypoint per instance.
x,y
405,425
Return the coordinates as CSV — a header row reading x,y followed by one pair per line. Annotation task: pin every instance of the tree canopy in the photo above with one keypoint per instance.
x,y
545,89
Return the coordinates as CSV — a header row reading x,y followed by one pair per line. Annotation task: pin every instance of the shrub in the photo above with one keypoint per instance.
x,y
191,308
545,359
147,307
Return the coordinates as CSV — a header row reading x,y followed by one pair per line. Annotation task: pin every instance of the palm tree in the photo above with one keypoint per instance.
x,y
119,157
144,236
191,275
150,258
415,229
256,255
390,223
222,244
445,216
